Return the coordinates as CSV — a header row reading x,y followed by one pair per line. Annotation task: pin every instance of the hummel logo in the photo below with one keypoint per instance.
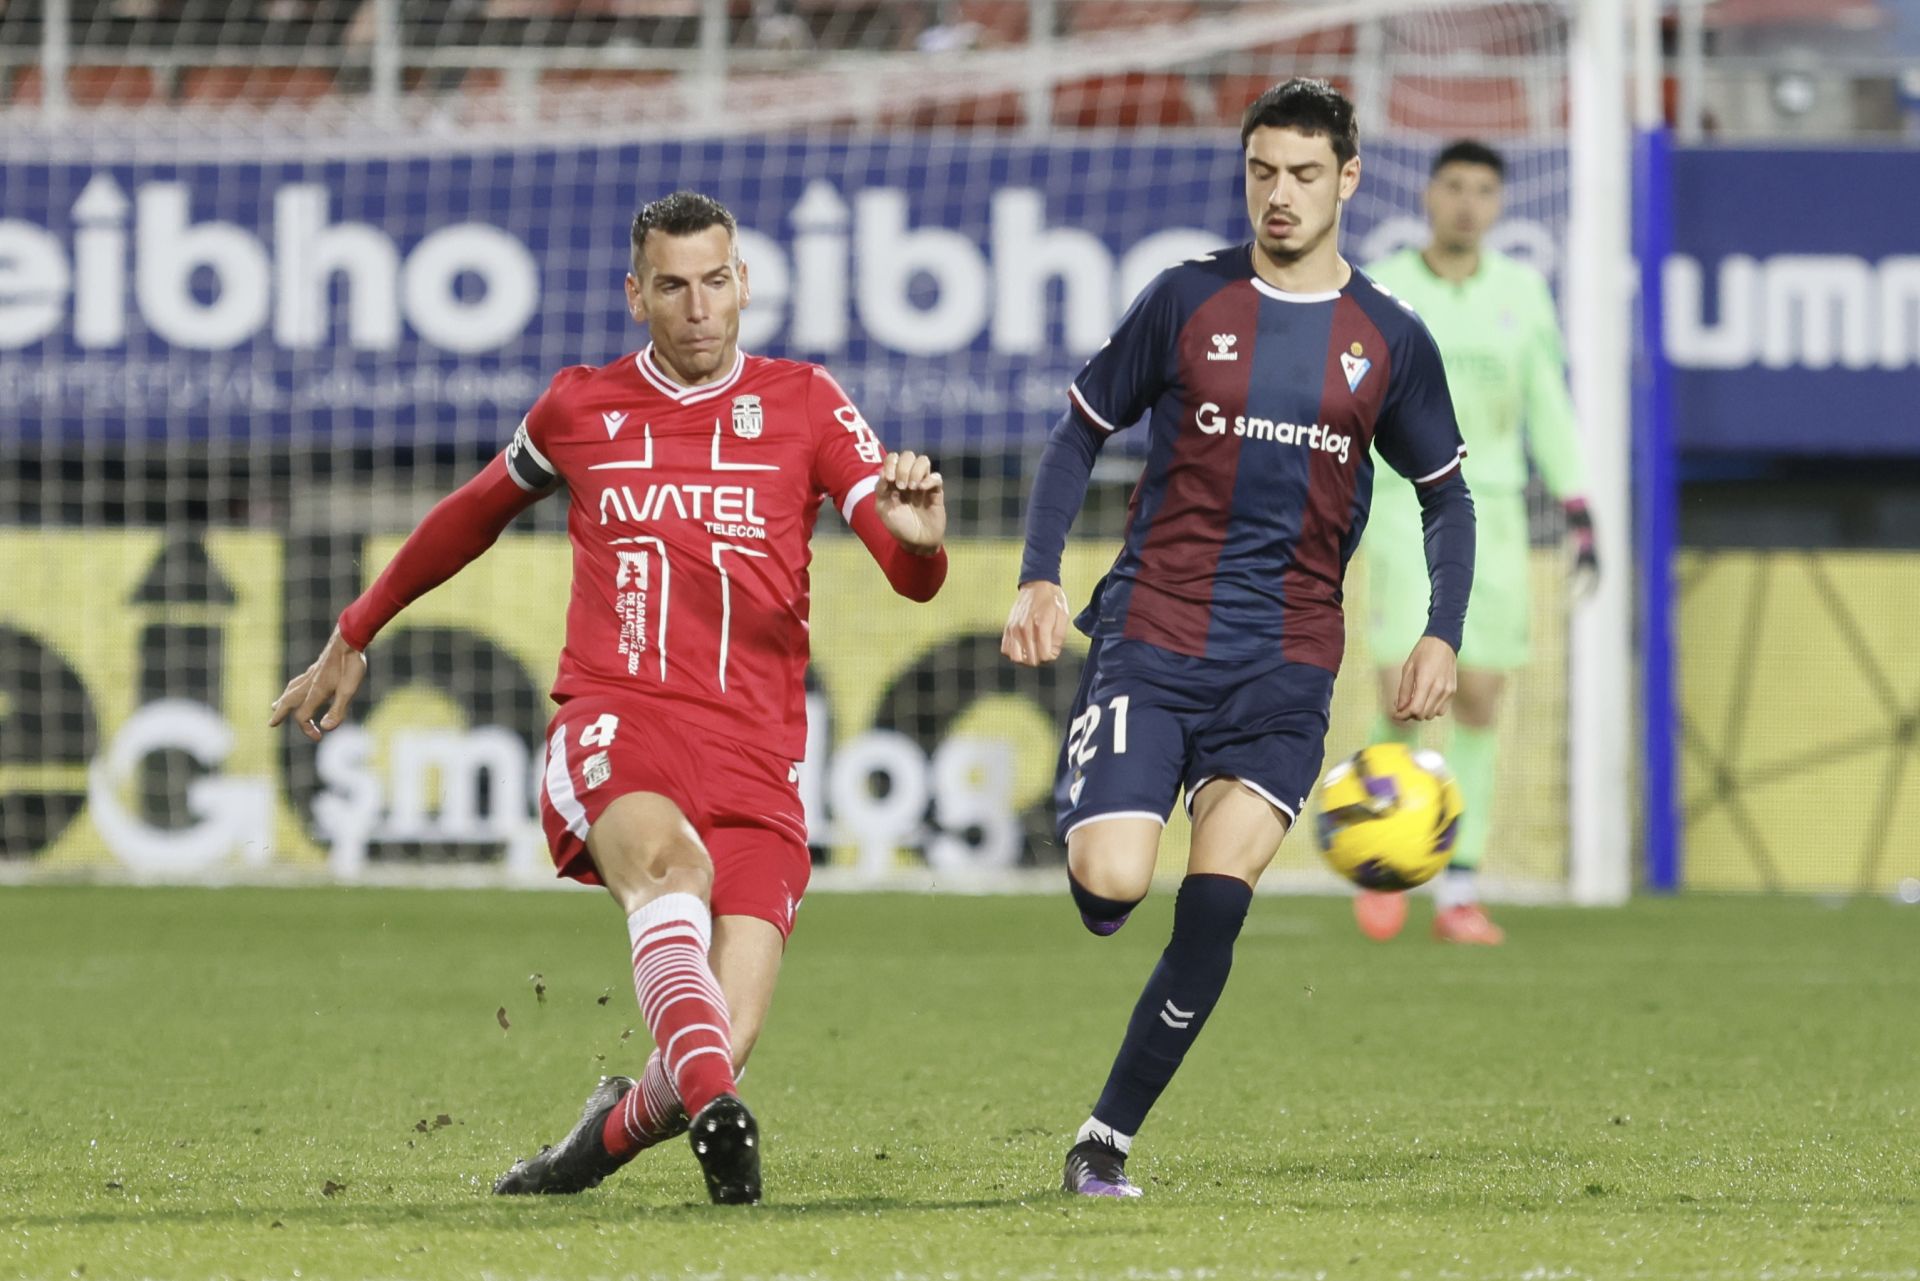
x,y
614,422
1223,347
1175,1017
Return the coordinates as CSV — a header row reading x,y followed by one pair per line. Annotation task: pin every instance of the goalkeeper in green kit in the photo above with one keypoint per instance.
x,y
1499,337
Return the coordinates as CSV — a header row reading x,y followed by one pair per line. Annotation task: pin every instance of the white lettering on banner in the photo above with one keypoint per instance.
x,y
893,257
33,283
234,813
968,780
1213,422
1794,311
863,257
289,284
358,807
1028,257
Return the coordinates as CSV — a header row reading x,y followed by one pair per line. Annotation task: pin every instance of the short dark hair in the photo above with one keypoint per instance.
x,y
681,214
1310,106
1467,151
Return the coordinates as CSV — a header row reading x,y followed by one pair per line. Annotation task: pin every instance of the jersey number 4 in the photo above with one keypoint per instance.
x,y
1081,737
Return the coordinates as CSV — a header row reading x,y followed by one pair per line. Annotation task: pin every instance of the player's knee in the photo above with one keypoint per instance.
x,y
1110,869
646,848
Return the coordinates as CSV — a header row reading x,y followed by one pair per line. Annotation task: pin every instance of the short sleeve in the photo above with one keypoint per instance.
x,y
526,453
1130,372
1418,434
846,453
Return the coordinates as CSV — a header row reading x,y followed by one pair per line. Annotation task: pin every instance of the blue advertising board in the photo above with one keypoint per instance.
x,y
952,283
1792,301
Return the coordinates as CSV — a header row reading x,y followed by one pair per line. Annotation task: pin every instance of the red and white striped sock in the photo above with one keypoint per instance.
x,y
650,1113
680,999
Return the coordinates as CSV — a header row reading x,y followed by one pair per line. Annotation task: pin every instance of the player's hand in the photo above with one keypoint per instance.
x,y
1584,578
1426,681
333,680
1037,625
912,502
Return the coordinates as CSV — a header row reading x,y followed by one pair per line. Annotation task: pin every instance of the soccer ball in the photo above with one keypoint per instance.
x,y
1389,815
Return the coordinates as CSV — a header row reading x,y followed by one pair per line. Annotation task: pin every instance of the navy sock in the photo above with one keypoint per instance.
x,y
1176,1001
1095,908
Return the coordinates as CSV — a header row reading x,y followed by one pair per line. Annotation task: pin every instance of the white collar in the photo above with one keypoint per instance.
x,y
650,370
1281,295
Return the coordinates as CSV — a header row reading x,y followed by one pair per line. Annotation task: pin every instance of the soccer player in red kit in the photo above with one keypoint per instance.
x,y
695,473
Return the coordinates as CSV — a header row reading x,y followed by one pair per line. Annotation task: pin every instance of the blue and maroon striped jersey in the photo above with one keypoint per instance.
x,y
1263,408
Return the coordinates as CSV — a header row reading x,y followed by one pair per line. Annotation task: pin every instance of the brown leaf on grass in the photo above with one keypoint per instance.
x,y
113,1185
421,1125
624,1035
605,997
276,1224
500,1015
330,1188
442,1121
539,987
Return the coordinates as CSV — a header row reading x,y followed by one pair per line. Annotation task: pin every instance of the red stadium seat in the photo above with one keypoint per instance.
x,y
256,86
1001,22
92,86
602,78
1458,107
1087,16
1337,41
990,111
1231,94
1132,101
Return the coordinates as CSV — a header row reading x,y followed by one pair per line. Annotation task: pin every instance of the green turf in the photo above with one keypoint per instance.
x,y
1716,1088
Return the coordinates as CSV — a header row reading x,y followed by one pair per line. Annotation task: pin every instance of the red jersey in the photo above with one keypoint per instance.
x,y
692,511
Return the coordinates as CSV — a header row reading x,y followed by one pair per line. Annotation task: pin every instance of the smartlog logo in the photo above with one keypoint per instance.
x,y
845,267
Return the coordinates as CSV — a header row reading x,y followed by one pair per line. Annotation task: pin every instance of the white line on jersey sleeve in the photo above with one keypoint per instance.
x,y
1430,477
854,495
1080,399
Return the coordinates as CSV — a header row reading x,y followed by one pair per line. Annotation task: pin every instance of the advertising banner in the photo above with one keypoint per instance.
x,y
1793,301
953,283
137,670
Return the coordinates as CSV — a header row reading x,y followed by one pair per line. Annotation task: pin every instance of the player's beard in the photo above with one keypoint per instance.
x,y
1287,255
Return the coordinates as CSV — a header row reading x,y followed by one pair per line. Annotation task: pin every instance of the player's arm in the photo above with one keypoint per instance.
x,y
460,527
1420,438
1117,386
1552,437
894,502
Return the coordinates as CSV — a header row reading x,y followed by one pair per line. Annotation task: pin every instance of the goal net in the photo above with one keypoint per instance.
x,y
274,277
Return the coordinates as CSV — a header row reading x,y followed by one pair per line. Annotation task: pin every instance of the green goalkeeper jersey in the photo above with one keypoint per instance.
x,y
1499,338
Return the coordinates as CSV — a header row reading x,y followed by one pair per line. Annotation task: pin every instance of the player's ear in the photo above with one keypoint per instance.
x,y
1349,178
746,290
636,299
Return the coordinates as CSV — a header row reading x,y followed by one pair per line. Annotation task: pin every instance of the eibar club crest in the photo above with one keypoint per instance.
x,y
747,419
1355,364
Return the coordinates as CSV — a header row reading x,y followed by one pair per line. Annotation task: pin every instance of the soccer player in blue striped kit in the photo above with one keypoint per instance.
x,y
1267,372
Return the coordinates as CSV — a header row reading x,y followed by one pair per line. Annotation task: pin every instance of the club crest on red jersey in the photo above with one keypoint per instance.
x,y
747,417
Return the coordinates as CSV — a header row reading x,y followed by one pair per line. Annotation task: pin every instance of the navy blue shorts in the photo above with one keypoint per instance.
x,y
1148,722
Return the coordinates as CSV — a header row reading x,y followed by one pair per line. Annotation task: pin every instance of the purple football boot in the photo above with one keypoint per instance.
x,y
1095,1168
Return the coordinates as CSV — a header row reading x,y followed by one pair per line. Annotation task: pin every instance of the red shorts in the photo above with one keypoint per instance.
x,y
745,804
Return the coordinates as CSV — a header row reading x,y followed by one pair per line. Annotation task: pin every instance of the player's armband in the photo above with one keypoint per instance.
x,y
527,465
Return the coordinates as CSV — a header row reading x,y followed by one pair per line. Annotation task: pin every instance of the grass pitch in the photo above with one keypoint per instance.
x,y
316,1084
